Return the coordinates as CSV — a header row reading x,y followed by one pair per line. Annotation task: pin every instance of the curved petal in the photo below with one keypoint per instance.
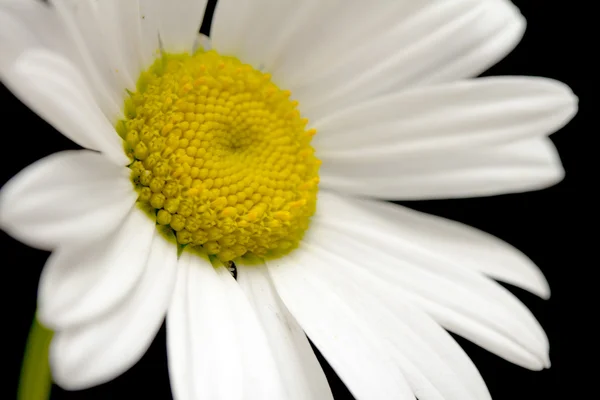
x,y
452,116
83,282
458,298
259,31
179,23
52,86
120,28
430,373
149,30
466,246
302,375
110,41
100,60
103,349
516,167
350,345
430,36
69,29
27,24
371,47
66,198
498,32
213,334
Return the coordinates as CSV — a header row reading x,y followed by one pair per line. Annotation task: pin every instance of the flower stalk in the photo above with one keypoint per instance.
x,y
35,382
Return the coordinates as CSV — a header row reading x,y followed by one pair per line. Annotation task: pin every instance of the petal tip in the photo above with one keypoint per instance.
x,y
517,18
544,292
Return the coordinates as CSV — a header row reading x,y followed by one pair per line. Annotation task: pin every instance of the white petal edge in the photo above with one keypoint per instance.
x,y
522,166
66,198
213,335
98,58
73,30
202,42
300,370
179,23
452,116
433,364
460,299
101,350
149,12
120,24
479,310
351,347
360,36
247,28
27,24
413,50
503,26
53,87
115,41
465,245
83,282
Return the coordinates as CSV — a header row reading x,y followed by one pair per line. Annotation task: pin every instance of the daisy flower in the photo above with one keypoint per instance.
x,y
232,185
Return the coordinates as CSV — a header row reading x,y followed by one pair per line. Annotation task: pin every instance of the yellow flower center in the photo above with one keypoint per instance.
x,y
221,154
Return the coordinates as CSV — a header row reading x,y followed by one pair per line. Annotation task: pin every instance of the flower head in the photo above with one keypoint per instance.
x,y
222,155
266,149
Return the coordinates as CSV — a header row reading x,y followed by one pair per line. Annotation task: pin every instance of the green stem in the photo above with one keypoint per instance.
x,y
36,381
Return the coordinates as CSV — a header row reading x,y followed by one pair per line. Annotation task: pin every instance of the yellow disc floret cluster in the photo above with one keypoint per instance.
x,y
222,155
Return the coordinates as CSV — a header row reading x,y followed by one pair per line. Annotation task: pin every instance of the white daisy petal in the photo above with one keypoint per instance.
x,y
457,297
53,87
477,309
82,282
414,43
122,38
179,23
149,30
398,43
214,337
101,350
202,42
26,24
341,30
114,43
66,198
467,246
397,325
516,167
446,117
498,32
100,58
302,375
437,339
349,344
247,28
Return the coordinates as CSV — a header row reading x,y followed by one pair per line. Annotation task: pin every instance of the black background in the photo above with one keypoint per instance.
x,y
547,225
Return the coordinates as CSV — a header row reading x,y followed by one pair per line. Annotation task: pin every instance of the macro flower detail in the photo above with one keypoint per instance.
x,y
268,149
222,154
